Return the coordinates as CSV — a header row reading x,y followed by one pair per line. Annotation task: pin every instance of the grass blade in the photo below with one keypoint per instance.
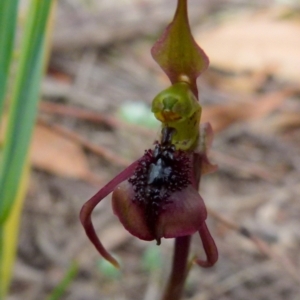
x,y
21,120
68,278
23,105
9,236
8,18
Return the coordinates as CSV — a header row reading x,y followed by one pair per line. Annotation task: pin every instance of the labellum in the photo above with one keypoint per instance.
x,y
160,172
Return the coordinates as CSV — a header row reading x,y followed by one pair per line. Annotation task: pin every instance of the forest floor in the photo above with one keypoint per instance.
x,y
101,68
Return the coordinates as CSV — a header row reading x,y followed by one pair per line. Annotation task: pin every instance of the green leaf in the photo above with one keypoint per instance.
x,y
152,259
177,53
108,270
24,102
9,235
66,281
138,113
21,118
8,17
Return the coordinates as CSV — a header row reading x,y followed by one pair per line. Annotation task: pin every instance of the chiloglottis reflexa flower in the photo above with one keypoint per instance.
x,y
157,197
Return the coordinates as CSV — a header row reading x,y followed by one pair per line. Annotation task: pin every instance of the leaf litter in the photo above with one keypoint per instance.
x,y
257,138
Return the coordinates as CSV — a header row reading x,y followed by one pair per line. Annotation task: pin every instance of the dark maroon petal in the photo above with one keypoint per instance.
x,y
209,246
184,215
129,212
88,207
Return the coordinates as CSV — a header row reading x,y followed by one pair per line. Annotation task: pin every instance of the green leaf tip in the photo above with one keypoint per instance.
x,y
176,51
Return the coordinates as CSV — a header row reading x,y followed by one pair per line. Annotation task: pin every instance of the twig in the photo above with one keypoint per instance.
x,y
259,243
241,165
99,150
96,117
237,279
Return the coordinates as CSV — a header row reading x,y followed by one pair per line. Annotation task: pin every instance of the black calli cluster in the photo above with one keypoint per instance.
x,y
160,172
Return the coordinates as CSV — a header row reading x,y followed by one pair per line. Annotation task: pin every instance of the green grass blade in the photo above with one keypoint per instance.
x,y
68,278
8,18
9,235
21,119
24,102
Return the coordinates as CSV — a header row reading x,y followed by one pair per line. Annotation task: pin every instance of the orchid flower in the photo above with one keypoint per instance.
x,y
157,197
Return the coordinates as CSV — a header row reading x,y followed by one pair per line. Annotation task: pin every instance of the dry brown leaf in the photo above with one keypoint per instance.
x,y
244,83
54,153
286,121
279,123
222,116
255,43
57,155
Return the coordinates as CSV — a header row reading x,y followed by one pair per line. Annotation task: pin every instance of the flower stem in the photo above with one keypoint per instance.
x,y
180,267
175,285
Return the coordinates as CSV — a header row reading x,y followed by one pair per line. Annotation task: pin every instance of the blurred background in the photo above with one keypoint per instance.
x,y
94,120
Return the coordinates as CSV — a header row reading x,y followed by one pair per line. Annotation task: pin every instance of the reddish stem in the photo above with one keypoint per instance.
x,y
177,278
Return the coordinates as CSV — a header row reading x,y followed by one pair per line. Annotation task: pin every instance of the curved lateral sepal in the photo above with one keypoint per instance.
x,y
88,207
